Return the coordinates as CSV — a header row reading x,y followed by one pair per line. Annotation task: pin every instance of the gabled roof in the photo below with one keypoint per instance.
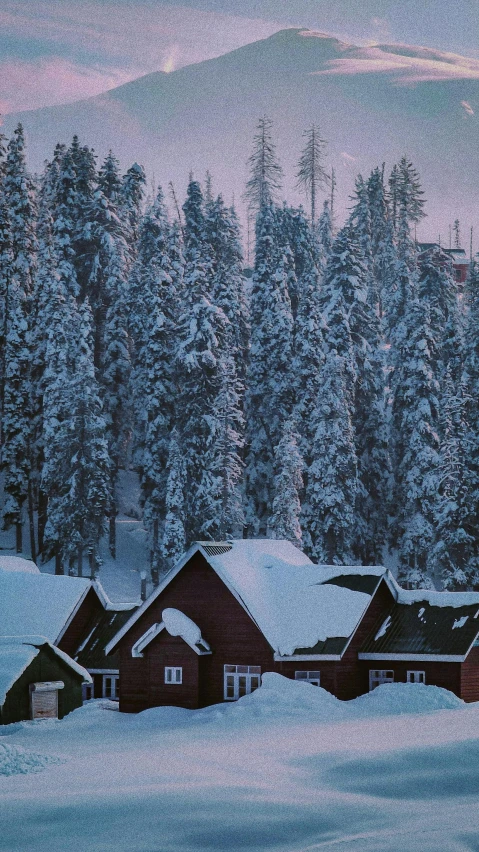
x,y
16,654
423,629
91,651
296,604
176,623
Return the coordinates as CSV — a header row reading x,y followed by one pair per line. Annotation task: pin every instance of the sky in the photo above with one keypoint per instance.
x,y
57,51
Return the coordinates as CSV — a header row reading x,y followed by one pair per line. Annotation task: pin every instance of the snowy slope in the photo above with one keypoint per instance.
x,y
287,769
371,103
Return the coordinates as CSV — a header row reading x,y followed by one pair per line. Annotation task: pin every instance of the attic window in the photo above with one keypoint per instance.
x,y
216,549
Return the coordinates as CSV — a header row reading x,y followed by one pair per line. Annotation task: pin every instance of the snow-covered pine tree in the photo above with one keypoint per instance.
x,y
270,386
18,274
76,474
454,560
108,288
415,417
332,474
284,522
200,373
131,200
437,287
312,175
17,400
266,173
324,235
471,394
153,302
174,539
228,282
84,165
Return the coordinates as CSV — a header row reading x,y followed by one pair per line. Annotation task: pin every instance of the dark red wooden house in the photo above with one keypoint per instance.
x,y
230,611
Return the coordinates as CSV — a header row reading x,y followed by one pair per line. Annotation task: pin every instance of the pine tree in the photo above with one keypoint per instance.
x,y
270,394
174,539
284,522
16,427
266,174
131,199
19,256
332,474
457,234
454,561
76,474
324,233
311,174
415,411
200,374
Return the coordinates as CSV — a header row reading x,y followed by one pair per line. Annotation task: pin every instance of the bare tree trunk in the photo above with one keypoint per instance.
x,y
112,531
19,535
58,561
31,523
91,562
80,560
42,518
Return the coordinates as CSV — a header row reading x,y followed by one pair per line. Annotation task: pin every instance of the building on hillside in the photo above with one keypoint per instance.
x,y
65,611
37,680
456,257
230,611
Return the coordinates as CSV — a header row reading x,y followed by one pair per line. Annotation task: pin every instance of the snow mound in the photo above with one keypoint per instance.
x,y
283,698
15,760
394,699
17,563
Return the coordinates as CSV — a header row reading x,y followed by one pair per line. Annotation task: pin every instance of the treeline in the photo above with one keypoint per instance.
x,y
331,399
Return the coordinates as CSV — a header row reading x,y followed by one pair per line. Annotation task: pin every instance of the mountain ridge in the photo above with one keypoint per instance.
x,y
372,103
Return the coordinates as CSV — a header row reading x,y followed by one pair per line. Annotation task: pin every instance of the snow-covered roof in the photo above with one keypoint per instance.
x,y
40,604
294,602
16,654
441,599
18,563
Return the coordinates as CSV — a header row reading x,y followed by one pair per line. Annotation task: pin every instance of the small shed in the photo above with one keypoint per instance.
x,y
37,680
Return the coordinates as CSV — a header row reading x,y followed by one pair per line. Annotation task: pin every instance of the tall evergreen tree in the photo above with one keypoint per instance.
x,y
415,411
76,473
284,522
270,394
174,539
266,174
312,175
333,471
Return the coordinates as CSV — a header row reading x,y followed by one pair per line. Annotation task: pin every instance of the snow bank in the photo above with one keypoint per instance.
x,y
15,760
394,699
17,563
284,593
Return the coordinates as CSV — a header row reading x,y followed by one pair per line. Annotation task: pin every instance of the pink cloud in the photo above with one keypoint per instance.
x,y
27,85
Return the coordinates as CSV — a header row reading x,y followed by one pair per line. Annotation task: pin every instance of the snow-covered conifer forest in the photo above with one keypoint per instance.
x,y
329,395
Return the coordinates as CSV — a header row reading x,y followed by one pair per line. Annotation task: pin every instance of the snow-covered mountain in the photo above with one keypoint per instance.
x,y
371,103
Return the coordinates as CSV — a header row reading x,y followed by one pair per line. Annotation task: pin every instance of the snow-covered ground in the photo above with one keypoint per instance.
x,y
287,769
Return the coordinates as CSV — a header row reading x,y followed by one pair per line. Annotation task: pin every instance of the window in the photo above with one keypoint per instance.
x,y
416,677
309,677
173,675
110,687
241,680
379,676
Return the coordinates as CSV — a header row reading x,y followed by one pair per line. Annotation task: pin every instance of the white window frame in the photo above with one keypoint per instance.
x,y
415,676
379,676
233,677
114,687
305,676
173,675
